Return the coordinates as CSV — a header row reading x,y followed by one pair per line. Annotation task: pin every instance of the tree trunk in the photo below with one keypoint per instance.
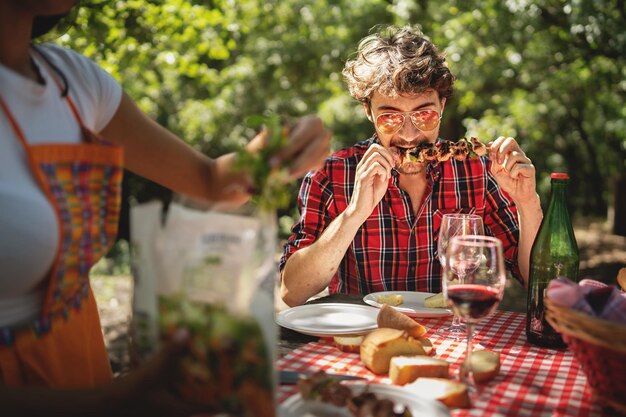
x,y
619,205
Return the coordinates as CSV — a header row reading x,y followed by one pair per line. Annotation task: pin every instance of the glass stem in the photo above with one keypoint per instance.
x,y
466,369
456,320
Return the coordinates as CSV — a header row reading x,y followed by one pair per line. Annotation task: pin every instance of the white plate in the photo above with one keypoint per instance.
x,y
295,406
413,304
329,319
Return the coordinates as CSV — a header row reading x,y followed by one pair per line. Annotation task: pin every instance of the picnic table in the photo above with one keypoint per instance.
x,y
532,381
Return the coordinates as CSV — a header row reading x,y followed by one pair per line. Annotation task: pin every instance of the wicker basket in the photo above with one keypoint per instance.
x,y
600,347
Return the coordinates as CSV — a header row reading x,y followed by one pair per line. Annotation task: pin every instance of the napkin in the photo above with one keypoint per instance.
x,y
589,296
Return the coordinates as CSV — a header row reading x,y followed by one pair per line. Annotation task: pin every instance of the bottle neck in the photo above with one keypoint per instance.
x,y
557,198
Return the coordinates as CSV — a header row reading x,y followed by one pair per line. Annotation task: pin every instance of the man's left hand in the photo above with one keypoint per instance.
x,y
512,169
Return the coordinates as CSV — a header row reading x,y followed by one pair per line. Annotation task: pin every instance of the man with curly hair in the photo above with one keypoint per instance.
x,y
370,217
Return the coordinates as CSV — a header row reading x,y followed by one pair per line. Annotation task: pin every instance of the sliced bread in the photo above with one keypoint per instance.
x,y
391,318
405,369
485,365
382,344
350,344
453,394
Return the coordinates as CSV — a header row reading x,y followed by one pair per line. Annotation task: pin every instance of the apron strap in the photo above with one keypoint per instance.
x,y
22,138
53,73
16,127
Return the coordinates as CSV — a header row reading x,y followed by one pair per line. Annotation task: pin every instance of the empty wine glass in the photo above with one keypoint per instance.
x,y
456,224
479,260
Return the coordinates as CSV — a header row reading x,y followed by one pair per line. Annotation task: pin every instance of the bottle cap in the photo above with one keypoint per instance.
x,y
559,176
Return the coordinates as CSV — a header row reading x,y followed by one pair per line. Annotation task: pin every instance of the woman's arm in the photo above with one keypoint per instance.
x,y
157,154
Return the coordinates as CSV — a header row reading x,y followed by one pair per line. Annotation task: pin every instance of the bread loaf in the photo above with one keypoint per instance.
x,y
350,344
485,365
405,369
391,318
427,345
382,344
435,301
451,393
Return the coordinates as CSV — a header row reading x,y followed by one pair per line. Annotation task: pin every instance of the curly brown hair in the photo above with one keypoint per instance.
x,y
397,61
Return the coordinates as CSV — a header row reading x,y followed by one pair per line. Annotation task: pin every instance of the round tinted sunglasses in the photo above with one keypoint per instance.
x,y
425,120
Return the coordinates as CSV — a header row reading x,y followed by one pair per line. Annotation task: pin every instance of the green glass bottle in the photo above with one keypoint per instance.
x,y
554,254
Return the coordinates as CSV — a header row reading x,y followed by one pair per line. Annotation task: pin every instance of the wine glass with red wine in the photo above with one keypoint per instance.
x,y
480,261
456,224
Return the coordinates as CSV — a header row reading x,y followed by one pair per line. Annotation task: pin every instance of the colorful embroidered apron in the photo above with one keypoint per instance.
x,y
65,346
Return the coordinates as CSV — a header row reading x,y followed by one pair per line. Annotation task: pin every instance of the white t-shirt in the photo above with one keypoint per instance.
x,y
28,225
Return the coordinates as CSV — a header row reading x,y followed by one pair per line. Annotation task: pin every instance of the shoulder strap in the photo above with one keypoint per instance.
x,y
55,72
16,127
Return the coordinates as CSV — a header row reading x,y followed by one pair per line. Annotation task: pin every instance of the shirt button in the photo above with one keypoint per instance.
x,y
412,269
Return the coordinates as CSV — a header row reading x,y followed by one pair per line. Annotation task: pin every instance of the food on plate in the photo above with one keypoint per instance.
x,y
485,365
367,404
382,344
320,387
405,369
453,394
390,299
391,318
350,344
435,301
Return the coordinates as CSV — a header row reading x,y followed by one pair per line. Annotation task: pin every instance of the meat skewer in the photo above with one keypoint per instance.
x,y
444,150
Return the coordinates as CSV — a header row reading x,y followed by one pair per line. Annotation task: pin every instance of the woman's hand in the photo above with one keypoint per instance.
x,y
307,147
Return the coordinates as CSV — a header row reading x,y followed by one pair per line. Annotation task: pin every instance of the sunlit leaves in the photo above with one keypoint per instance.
x,y
552,73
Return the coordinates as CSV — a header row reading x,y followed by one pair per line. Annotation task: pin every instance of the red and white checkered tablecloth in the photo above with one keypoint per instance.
x,y
532,382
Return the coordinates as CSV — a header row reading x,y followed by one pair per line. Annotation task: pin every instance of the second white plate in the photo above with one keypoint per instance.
x,y
329,319
413,304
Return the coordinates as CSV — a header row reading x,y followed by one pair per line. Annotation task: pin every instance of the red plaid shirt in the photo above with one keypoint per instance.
x,y
395,249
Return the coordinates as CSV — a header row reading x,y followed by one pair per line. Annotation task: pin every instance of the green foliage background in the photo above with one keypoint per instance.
x,y
551,73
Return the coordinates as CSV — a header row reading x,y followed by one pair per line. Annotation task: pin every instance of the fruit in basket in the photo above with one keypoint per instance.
x,y
621,279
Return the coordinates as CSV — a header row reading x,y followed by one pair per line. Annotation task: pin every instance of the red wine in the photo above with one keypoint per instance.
x,y
473,302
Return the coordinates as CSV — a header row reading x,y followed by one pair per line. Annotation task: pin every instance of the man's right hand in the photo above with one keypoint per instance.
x,y
371,181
